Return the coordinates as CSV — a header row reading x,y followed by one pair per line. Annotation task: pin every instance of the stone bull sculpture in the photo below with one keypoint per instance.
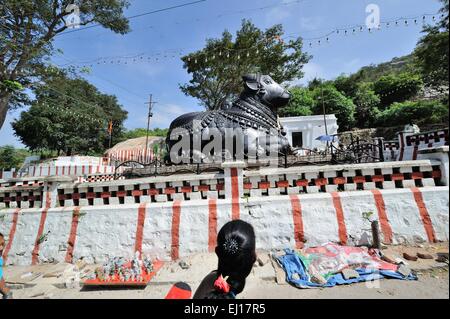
x,y
252,117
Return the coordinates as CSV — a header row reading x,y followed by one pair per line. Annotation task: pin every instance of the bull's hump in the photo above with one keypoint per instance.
x,y
184,119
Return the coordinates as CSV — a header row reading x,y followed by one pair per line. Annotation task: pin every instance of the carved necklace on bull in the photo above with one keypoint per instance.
x,y
250,111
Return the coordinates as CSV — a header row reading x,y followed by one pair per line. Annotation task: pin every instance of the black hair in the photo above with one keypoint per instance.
x,y
1,235
236,252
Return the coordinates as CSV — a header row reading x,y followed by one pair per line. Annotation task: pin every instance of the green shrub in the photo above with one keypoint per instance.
x,y
418,112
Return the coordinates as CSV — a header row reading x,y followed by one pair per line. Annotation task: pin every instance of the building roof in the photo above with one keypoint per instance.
x,y
135,143
134,149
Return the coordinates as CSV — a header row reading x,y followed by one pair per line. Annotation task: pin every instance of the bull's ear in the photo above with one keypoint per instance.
x,y
250,82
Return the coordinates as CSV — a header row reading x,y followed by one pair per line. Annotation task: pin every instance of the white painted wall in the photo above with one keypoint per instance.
x,y
111,230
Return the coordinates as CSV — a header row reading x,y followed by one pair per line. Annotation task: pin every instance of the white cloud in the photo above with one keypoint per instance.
x,y
147,69
312,70
352,64
279,14
310,23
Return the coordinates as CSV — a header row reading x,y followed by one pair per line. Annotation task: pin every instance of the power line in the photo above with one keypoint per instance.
x,y
240,53
219,16
136,16
102,78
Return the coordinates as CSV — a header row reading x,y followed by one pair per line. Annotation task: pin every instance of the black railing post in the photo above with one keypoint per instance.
x,y
285,160
381,148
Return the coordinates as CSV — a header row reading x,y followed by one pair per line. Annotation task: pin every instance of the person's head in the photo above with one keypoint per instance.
x,y
236,252
2,243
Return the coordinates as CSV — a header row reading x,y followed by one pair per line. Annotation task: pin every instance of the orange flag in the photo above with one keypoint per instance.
x,y
110,127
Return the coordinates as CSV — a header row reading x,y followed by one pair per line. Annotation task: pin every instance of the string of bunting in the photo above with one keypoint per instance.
x,y
76,115
237,54
209,18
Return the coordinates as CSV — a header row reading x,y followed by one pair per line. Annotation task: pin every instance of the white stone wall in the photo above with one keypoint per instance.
x,y
111,230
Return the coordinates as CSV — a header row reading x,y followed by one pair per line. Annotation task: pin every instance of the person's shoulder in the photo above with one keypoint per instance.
x,y
206,286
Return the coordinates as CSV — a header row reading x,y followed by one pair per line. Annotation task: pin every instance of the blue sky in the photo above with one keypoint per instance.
x,y
165,35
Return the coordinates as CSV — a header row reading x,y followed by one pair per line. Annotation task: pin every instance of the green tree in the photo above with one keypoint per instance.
x,y
432,53
366,102
27,30
141,132
69,115
11,157
419,112
301,103
334,102
217,69
315,83
347,85
397,88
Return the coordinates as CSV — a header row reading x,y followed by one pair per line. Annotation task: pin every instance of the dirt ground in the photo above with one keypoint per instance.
x,y
265,282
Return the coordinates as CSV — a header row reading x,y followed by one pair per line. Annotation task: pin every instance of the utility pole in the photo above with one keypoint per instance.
x,y
150,114
324,113
324,116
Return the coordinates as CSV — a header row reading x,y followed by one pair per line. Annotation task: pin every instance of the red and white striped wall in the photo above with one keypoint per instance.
x,y
135,154
408,146
8,174
175,229
68,170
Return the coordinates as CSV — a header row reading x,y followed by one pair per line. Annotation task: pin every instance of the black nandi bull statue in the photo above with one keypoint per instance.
x,y
253,114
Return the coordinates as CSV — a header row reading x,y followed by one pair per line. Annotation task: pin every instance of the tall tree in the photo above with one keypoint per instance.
x,y
27,30
11,157
69,115
397,87
327,98
366,102
300,104
217,69
432,53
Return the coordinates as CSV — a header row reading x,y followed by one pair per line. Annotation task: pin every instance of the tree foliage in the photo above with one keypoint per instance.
x,y
418,112
217,69
301,103
69,115
432,53
328,98
366,102
397,87
26,33
11,157
141,132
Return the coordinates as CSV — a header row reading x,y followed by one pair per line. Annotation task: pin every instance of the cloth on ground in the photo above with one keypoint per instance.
x,y
321,266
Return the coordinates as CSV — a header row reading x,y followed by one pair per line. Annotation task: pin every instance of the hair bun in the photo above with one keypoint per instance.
x,y
231,246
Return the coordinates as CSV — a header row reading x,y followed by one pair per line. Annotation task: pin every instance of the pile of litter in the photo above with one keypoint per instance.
x,y
331,264
120,271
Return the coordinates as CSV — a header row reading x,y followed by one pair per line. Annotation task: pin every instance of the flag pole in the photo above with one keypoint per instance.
x,y
110,133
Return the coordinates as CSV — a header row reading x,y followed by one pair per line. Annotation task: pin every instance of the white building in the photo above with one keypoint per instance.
x,y
303,131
